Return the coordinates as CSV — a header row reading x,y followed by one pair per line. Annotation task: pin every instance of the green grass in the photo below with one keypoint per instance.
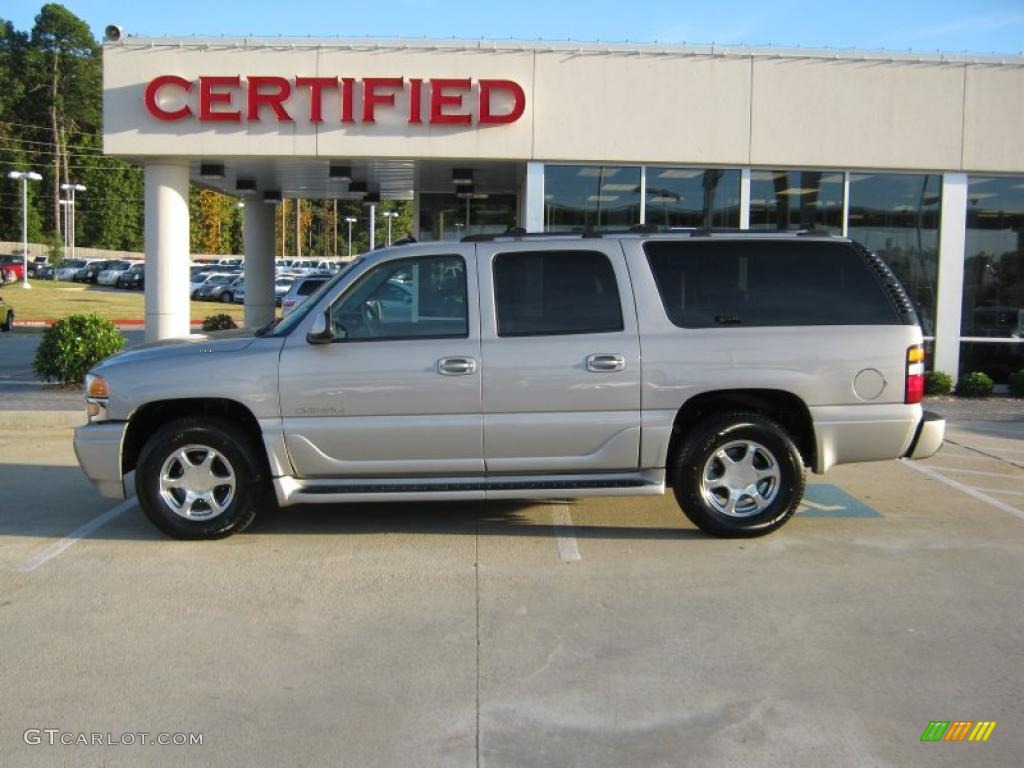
x,y
48,300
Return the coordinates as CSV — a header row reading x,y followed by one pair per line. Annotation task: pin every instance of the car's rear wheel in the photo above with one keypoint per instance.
x,y
199,479
738,475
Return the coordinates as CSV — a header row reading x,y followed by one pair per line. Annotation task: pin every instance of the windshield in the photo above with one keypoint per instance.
x,y
221,280
284,327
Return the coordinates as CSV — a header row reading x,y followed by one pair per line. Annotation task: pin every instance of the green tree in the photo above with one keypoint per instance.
x,y
62,90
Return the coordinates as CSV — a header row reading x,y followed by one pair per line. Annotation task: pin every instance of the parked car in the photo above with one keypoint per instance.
x,y
298,291
112,271
240,292
197,277
281,287
12,268
134,274
518,374
136,280
218,288
70,268
36,264
91,271
6,316
46,273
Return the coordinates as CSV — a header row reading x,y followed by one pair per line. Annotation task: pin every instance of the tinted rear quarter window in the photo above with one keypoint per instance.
x,y
309,286
710,284
543,293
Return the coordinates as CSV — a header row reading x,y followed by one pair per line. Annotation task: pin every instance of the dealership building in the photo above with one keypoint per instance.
x,y
919,157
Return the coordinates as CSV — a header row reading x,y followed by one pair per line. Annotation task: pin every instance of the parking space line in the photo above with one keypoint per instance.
x,y
81,532
565,536
969,490
1000,490
971,472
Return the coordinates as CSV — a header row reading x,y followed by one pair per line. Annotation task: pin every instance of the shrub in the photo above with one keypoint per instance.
x,y
938,383
975,384
219,323
1017,383
70,347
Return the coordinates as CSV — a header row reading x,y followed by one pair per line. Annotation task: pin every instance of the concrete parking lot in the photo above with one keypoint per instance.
x,y
602,633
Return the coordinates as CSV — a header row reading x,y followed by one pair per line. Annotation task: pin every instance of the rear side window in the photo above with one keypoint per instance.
x,y
308,286
555,292
711,284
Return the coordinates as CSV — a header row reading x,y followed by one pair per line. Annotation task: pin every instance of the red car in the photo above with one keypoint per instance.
x,y
12,269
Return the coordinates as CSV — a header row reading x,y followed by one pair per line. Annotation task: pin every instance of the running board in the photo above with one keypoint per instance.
x,y
291,490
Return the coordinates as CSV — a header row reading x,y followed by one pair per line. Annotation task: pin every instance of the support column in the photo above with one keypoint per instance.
x,y
949,301
167,250
533,221
744,198
258,239
372,224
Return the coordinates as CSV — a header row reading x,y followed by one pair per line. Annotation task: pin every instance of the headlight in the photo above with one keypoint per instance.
x,y
97,394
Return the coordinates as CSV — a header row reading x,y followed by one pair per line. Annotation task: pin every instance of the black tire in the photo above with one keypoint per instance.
x,y
755,446
226,298
8,323
236,456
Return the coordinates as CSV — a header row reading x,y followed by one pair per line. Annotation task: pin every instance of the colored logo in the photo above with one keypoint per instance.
x,y
958,730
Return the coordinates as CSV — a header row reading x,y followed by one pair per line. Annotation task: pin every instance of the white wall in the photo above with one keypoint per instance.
x,y
597,103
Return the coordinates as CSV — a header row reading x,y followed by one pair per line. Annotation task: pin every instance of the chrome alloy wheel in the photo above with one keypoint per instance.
x,y
197,482
740,479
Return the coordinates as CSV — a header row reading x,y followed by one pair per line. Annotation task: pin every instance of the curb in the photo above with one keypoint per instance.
x,y
25,420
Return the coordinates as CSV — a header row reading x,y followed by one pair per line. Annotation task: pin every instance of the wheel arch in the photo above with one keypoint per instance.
x,y
150,417
783,407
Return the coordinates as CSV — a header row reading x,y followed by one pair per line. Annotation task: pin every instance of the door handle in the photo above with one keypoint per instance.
x,y
605,363
456,366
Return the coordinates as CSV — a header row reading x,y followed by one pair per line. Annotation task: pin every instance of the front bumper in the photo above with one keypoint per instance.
x,y
929,436
98,448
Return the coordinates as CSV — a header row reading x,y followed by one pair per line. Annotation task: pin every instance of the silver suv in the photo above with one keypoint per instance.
x,y
525,367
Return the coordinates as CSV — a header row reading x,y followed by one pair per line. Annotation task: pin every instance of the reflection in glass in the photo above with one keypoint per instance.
x,y
796,200
993,300
693,197
578,197
448,217
896,215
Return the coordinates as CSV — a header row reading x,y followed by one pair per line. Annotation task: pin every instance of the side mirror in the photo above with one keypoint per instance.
x,y
320,332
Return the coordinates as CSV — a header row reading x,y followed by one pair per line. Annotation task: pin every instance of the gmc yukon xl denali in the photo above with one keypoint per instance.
x,y
525,367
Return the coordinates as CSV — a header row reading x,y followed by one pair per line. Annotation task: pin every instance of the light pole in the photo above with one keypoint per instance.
x,y
390,216
26,177
350,221
72,188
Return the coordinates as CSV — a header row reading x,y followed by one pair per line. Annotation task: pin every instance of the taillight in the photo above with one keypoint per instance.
x,y
915,375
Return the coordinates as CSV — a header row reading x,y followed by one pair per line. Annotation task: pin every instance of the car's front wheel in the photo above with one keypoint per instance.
x,y
738,475
199,479
226,298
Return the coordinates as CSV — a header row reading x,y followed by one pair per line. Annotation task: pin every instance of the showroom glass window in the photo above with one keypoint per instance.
x,y
896,215
598,197
693,197
993,301
796,200
446,216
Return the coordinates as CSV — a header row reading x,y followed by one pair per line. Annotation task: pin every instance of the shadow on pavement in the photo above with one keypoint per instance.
x,y
53,501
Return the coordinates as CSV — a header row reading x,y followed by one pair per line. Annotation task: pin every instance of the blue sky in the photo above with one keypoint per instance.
x,y
977,26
